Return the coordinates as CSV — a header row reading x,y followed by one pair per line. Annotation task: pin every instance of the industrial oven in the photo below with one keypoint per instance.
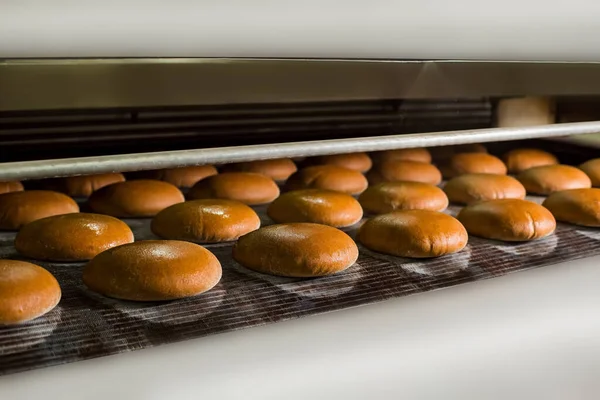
x,y
511,320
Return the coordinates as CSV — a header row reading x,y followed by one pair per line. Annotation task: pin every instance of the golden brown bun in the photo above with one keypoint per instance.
x,y
328,177
518,160
181,177
14,186
525,111
390,196
205,221
576,206
132,199
355,161
278,169
444,153
247,187
511,220
27,291
473,163
413,233
316,205
470,188
553,178
84,185
71,237
416,154
592,170
20,208
153,270
299,250
404,171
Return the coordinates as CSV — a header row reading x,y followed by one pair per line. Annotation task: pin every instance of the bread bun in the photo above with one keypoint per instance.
x,y
592,170
20,208
470,188
71,237
300,250
511,220
473,163
183,177
413,233
247,187
133,199
278,169
518,160
416,154
442,154
14,186
316,205
575,206
153,270
205,221
553,178
27,291
328,177
355,161
83,185
390,196
525,111
404,171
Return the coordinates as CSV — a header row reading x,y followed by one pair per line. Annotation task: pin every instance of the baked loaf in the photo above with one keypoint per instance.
x,y
84,185
247,187
413,233
511,220
575,206
328,177
355,161
278,169
71,237
7,187
519,160
401,170
444,153
27,291
184,177
205,221
20,208
525,111
132,199
416,154
470,188
153,270
553,178
316,205
473,163
390,196
298,250
592,170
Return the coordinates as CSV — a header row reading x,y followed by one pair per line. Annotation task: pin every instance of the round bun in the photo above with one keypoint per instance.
x,y
132,199
20,208
443,153
84,185
27,291
413,233
470,188
328,177
416,154
205,221
318,206
387,197
511,220
153,270
278,169
14,186
355,161
518,160
405,171
474,163
298,250
553,178
247,187
184,177
592,170
576,206
71,237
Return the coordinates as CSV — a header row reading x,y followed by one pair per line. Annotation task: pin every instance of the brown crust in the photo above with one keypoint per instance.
x,y
404,171
84,185
71,237
553,178
444,153
328,177
317,206
470,188
185,176
20,208
205,221
153,270
474,163
356,161
390,196
13,186
413,233
246,187
416,154
278,169
27,291
592,170
296,250
511,220
519,160
576,206
132,199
